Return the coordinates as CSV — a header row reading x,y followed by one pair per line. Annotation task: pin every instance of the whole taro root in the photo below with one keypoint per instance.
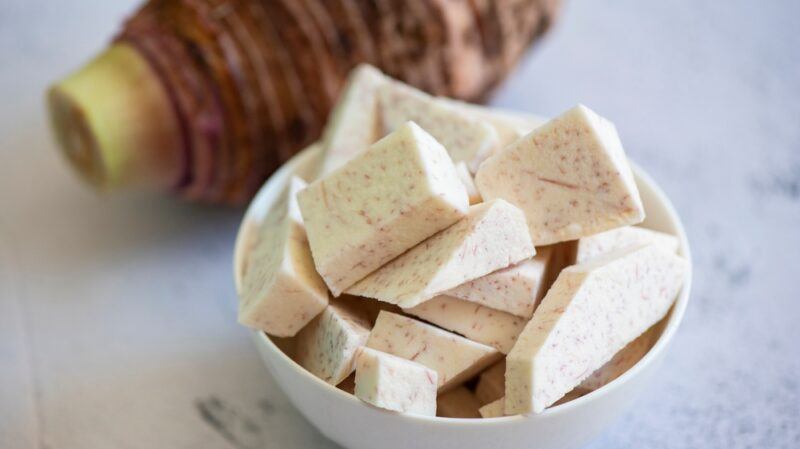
x,y
208,97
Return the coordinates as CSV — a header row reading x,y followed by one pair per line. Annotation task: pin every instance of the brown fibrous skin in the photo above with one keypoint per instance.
x,y
252,81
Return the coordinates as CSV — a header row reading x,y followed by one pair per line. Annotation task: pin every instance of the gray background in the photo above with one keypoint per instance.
x,y
117,323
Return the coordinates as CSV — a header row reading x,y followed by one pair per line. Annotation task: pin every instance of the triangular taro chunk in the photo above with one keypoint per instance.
x,y
474,321
354,122
394,383
381,203
466,137
453,357
281,291
605,242
492,236
516,289
570,176
327,346
592,311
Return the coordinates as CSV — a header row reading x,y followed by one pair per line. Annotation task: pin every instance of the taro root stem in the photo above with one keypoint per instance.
x,y
115,123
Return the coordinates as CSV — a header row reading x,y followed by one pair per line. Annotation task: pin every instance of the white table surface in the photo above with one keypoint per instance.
x,y
117,325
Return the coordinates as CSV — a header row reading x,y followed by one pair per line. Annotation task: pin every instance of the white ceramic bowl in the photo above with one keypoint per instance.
x,y
356,425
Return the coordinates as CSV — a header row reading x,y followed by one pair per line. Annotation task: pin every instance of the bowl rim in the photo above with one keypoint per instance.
x,y
675,316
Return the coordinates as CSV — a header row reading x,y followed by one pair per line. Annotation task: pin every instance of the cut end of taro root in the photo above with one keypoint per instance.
x,y
114,122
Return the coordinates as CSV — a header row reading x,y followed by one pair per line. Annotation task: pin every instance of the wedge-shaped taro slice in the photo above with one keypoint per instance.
x,y
453,357
354,122
327,346
281,290
491,237
459,402
474,321
394,383
570,176
605,242
466,137
591,312
388,199
491,383
516,289
623,360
